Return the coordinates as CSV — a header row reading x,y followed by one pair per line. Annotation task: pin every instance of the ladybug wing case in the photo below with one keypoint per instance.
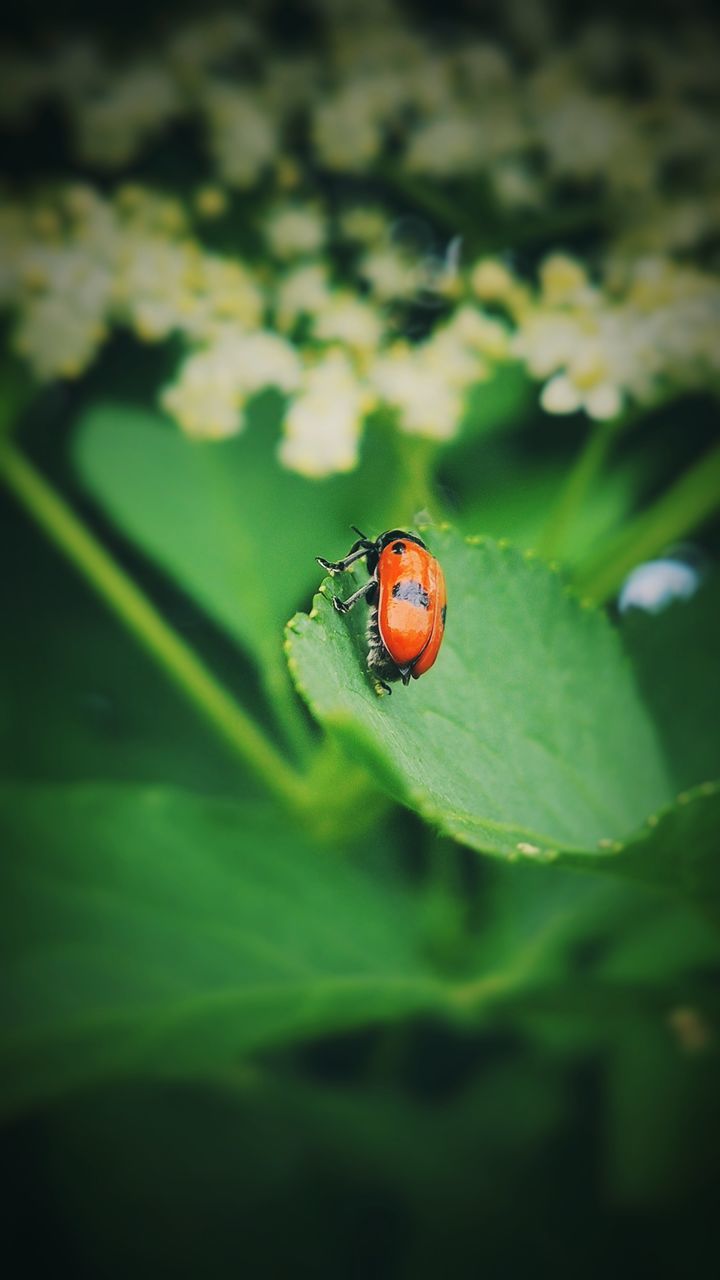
x,y
411,606
438,597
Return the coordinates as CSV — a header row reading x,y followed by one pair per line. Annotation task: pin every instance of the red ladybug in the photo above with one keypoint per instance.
x,y
408,603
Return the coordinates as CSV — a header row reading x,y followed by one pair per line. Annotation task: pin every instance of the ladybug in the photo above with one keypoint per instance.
x,y
408,602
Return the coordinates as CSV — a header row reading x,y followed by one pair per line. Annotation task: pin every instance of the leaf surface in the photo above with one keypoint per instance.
x,y
529,729
237,531
675,656
529,738
148,931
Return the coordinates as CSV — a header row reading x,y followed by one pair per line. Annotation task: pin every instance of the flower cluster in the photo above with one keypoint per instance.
x,y
654,324
529,117
336,302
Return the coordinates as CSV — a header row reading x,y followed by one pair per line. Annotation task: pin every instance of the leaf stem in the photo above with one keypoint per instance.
x,y
694,497
285,706
415,489
588,463
179,661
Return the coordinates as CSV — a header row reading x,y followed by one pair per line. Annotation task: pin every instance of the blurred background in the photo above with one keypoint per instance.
x,y
267,270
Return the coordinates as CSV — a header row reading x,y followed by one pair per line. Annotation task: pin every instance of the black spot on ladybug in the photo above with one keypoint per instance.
x,y
413,592
398,548
443,613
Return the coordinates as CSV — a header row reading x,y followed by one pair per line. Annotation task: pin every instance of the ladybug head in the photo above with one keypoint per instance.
x,y
384,540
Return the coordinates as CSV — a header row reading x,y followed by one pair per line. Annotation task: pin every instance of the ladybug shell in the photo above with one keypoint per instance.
x,y
411,605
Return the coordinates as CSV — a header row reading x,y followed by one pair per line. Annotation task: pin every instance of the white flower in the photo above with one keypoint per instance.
x,y
111,126
391,273
602,402
243,135
294,230
346,132
491,281
323,423
62,315
58,337
426,402
547,340
515,186
445,146
265,359
214,383
154,285
586,136
349,320
211,201
224,289
562,279
304,291
480,332
365,225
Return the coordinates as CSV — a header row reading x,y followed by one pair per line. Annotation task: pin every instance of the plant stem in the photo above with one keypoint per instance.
x,y
179,661
415,490
588,463
684,506
278,689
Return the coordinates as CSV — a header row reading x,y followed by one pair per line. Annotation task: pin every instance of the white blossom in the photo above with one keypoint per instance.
x,y
323,424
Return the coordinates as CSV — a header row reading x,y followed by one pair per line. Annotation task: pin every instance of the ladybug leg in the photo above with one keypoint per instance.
x,y
343,606
380,687
381,667
356,552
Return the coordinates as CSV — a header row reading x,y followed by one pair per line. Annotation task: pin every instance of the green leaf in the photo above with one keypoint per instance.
x,y
510,497
528,735
676,849
99,709
146,932
236,530
497,404
279,1149
663,1108
675,655
149,932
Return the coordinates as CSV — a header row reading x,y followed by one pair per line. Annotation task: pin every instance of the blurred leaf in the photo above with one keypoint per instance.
x,y
675,655
527,731
147,931
501,402
528,738
195,1182
511,497
663,1110
100,709
590,931
236,530
676,849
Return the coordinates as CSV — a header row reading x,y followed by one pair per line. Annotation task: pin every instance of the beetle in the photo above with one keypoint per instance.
x,y
408,603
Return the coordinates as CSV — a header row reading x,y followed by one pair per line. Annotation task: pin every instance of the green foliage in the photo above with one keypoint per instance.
x,y
229,525
147,931
288,969
483,744
675,655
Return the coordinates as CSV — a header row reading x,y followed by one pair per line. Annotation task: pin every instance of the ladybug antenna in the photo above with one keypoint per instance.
x,y
359,532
